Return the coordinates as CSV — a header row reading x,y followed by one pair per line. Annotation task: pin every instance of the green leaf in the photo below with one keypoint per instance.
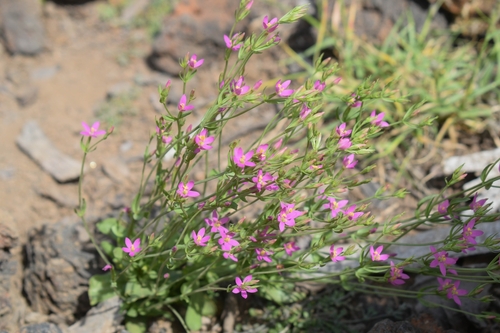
x,y
105,225
134,289
118,230
193,319
107,247
135,326
100,288
281,295
117,254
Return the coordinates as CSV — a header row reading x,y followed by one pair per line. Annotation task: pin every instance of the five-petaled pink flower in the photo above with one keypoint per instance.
x,y
341,131
182,107
469,235
243,160
244,286
335,253
203,141
132,248
238,86
442,260
319,86
290,248
262,179
397,276
351,214
454,293
287,215
349,162
107,267
377,254
184,190
443,284
217,223
226,241
260,152
92,131
281,88
270,26
229,255
344,143
199,238
263,255
230,42
194,62
476,204
335,205
378,121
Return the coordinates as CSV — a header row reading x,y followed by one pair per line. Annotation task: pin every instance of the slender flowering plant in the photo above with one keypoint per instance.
x,y
256,199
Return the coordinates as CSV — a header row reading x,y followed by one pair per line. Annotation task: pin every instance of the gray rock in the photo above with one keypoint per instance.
x,y
101,319
41,328
27,95
62,196
60,261
474,162
116,169
38,147
44,73
22,26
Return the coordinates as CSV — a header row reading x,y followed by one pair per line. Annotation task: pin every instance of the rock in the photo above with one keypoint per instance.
x,y
44,73
195,26
101,319
22,26
59,262
27,95
62,196
11,307
116,169
38,147
41,328
161,326
474,162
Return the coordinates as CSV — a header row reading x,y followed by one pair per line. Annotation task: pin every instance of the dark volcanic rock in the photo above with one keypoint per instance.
x,y
60,261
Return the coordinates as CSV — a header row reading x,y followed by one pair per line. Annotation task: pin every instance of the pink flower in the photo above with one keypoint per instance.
x,y
335,253
335,205
441,259
344,143
351,214
166,139
469,234
226,241
349,162
92,131
107,267
216,224
261,180
242,160
238,87
443,284
249,5
199,239
304,112
184,190
475,204
377,254
260,152
397,276
229,255
244,286
263,255
287,215
270,26
281,88
193,63
257,85
454,292
319,86
166,275
341,131
378,121
203,141
354,101
290,248
230,44
182,107
132,248
443,207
